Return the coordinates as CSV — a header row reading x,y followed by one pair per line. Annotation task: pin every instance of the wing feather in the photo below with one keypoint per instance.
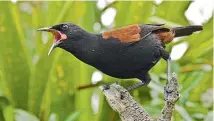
x,y
136,32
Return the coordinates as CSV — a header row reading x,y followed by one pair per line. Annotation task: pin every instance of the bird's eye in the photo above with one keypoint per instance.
x,y
64,27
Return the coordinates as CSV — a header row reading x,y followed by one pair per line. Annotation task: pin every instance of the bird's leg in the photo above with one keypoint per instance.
x,y
143,82
135,86
168,69
166,56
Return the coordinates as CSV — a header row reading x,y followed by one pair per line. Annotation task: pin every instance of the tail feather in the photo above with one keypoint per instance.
x,y
187,30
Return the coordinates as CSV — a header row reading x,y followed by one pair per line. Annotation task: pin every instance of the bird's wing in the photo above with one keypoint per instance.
x,y
163,34
135,32
130,33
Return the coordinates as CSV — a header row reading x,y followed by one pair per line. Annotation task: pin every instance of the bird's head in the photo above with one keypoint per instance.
x,y
63,34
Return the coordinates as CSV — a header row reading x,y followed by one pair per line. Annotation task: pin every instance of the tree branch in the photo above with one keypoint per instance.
x,y
129,110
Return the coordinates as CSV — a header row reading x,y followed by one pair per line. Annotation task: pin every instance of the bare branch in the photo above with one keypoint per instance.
x,y
129,110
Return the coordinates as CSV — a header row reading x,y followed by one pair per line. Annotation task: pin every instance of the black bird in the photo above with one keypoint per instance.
x,y
127,52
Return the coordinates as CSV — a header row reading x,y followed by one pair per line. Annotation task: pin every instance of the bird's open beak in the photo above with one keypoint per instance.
x,y
58,36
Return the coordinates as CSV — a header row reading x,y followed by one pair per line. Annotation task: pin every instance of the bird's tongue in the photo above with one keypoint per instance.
x,y
58,36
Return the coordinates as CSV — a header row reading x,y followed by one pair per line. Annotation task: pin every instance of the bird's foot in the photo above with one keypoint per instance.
x,y
171,93
130,88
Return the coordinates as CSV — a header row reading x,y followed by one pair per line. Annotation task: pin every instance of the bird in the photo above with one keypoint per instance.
x,y
126,52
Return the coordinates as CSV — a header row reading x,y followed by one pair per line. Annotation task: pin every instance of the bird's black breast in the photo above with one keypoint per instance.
x,y
126,60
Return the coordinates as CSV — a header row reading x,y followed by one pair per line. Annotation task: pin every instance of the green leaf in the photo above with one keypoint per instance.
x,y
199,43
73,116
168,11
15,65
22,115
53,117
138,12
40,76
181,110
189,84
8,113
6,109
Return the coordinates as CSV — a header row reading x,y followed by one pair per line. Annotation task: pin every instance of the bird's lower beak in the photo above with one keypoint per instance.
x,y
54,45
52,48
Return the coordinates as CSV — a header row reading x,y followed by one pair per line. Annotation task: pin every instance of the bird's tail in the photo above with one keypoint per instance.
x,y
187,30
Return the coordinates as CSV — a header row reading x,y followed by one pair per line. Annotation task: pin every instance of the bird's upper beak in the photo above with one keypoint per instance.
x,y
58,37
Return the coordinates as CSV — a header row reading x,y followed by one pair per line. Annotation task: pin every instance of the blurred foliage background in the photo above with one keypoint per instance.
x,y
34,86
